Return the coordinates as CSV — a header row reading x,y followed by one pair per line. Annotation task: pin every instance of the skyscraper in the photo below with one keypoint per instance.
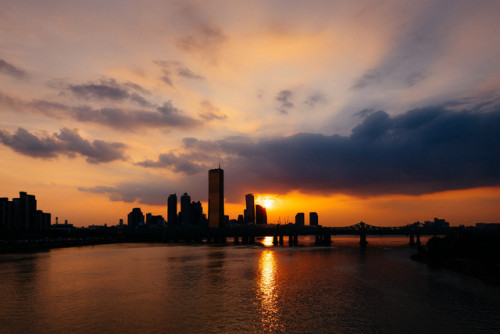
x,y
172,210
185,209
313,219
260,214
250,209
299,219
216,197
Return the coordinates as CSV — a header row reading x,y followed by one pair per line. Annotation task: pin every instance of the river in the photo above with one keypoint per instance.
x,y
159,288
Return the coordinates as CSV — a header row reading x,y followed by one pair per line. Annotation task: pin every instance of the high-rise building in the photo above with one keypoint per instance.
x,y
299,219
216,197
195,213
172,210
135,218
185,209
250,209
260,214
313,219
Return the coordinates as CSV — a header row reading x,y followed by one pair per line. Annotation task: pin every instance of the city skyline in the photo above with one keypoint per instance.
x,y
381,112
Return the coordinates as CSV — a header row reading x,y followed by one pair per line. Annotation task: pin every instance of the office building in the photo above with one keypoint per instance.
x,y
313,219
299,219
135,218
250,209
185,209
216,197
172,210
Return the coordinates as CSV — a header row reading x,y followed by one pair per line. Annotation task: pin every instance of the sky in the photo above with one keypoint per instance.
x,y
385,112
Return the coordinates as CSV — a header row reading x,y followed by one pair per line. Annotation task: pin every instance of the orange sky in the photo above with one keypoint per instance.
x,y
380,112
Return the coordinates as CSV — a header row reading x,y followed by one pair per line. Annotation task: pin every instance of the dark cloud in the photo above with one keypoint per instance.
x,y
421,151
283,98
67,142
11,70
210,112
109,90
177,163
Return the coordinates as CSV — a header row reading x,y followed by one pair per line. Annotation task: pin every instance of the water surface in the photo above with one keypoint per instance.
x,y
157,288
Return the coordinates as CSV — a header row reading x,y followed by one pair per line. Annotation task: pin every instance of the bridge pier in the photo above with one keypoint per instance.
x,y
281,240
412,240
275,239
362,240
236,240
418,240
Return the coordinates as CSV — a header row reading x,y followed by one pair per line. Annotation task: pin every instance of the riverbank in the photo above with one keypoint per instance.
x,y
471,254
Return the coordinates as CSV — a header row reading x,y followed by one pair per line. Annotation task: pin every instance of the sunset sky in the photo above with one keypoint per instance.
x,y
386,112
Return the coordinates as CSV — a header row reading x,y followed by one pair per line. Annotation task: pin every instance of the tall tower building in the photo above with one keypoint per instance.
x,y
313,219
172,210
250,209
216,197
185,209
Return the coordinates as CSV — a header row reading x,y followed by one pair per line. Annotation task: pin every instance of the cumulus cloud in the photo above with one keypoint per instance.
x,y
11,70
283,98
67,142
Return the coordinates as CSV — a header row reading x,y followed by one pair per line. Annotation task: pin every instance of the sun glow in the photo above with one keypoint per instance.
x,y
267,201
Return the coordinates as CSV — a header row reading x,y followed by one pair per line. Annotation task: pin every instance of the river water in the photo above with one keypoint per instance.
x,y
158,288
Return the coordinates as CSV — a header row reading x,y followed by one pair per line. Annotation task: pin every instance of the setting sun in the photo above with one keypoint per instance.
x,y
266,201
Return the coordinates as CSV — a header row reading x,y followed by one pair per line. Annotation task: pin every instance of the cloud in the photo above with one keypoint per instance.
x,y
283,98
421,151
415,51
109,90
165,116
315,99
178,163
210,112
176,68
67,142
153,193
205,36
11,70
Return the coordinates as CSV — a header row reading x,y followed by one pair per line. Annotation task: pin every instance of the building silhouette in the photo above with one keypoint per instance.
x,y
249,212
313,219
260,214
185,209
21,214
299,219
135,218
172,210
216,197
195,213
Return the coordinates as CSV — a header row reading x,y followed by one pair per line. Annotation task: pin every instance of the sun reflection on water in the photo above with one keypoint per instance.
x,y
269,309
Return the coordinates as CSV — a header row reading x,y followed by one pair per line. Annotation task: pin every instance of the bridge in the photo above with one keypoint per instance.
x,y
246,234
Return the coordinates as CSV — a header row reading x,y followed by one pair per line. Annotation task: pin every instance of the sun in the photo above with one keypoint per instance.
x,y
266,201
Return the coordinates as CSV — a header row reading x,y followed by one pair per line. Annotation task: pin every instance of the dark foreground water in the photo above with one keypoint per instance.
x,y
145,288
